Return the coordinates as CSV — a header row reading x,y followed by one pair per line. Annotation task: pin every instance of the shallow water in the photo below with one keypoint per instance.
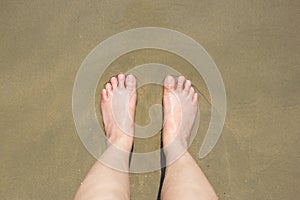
x,y
254,44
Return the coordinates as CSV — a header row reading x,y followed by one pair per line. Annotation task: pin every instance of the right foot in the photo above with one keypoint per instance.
x,y
180,109
118,102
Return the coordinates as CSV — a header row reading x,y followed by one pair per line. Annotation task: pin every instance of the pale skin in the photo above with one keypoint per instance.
x,y
183,179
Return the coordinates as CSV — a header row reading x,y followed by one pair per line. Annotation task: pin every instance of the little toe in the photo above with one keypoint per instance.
x,y
195,98
169,83
130,82
180,82
114,82
108,88
187,86
121,80
104,95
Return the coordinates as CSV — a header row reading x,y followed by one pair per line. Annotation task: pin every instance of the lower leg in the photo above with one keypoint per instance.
x,y
104,183
185,180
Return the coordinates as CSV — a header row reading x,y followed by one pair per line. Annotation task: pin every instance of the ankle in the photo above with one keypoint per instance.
x,y
123,142
174,151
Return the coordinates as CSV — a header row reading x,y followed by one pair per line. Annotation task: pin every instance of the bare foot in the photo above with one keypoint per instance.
x,y
118,102
180,109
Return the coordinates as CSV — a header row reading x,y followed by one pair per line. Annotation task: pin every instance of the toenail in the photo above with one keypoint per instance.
x,y
181,78
169,78
130,76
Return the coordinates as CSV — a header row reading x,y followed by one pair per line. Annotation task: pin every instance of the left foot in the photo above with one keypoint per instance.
x,y
118,102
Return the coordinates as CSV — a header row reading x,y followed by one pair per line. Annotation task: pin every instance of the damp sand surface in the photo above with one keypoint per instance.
x,y
254,43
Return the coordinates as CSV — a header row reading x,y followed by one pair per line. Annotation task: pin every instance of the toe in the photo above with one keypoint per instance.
x,y
191,93
108,88
121,80
180,82
187,86
104,95
114,82
169,83
195,98
130,82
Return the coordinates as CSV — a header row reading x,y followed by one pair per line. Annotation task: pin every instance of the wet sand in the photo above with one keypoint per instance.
x,y
254,44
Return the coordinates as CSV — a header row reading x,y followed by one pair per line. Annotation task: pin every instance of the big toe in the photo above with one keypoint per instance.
x,y
169,83
130,82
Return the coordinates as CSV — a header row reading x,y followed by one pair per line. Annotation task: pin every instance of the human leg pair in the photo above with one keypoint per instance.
x,y
183,178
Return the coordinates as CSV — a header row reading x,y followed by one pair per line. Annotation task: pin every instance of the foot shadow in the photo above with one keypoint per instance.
x,y
163,169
